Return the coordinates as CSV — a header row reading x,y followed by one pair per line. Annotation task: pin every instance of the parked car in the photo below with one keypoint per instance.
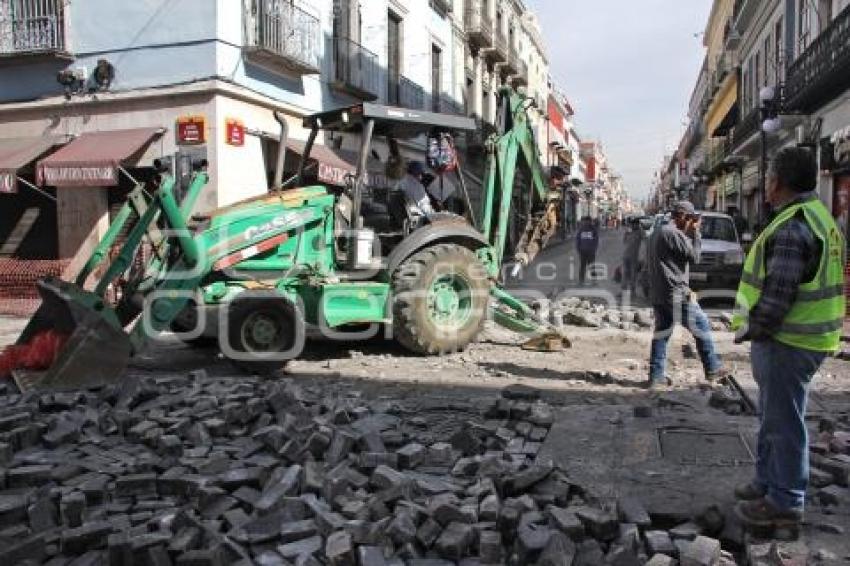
x,y
722,258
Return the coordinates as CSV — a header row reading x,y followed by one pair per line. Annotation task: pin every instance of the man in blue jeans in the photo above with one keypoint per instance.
x,y
671,248
791,305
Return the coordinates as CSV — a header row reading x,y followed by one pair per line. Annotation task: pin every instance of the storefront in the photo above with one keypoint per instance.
x,y
841,187
28,235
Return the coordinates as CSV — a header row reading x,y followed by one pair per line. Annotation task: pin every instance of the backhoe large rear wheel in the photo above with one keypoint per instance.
x,y
264,330
440,300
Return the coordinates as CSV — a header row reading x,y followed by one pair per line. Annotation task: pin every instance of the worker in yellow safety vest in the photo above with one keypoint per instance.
x,y
790,305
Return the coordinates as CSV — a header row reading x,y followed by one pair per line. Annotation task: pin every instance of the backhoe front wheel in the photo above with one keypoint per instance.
x,y
264,330
440,300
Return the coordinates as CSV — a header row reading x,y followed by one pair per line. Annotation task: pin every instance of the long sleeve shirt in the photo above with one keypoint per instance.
x,y
669,253
792,257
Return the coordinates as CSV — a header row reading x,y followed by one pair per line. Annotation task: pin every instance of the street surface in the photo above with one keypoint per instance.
x,y
678,455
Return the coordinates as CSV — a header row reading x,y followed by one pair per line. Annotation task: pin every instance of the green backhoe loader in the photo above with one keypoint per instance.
x,y
263,274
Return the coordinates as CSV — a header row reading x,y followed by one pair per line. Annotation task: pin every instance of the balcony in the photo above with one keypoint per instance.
x,y
511,65
355,69
479,26
521,76
442,6
499,53
406,94
32,29
283,37
718,151
822,72
445,104
747,128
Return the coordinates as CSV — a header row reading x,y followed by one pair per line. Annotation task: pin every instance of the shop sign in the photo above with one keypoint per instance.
x,y
82,176
191,130
234,132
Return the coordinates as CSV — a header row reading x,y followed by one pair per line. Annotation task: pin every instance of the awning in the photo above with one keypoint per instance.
x,y
93,159
17,153
335,165
725,103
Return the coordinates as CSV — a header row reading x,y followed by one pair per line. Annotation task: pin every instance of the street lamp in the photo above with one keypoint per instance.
x,y
770,124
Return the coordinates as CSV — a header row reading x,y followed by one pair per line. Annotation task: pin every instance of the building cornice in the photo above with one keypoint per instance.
x,y
208,86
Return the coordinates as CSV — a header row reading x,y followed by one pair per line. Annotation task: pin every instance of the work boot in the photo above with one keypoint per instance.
x,y
749,492
719,373
659,384
761,513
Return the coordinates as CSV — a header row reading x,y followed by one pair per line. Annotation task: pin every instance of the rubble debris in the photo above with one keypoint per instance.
x,y
193,470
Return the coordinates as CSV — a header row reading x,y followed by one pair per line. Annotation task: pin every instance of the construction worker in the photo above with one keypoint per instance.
x,y
790,305
412,186
672,247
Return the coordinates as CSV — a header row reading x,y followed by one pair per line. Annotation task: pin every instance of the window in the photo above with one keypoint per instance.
x,y
757,76
824,14
346,21
802,25
769,65
778,56
393,59
436,76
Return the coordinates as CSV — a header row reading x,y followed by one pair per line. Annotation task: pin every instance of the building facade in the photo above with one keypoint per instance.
x,y
203,79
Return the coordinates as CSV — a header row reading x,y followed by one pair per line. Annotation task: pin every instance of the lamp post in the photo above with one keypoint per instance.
x,y
770,124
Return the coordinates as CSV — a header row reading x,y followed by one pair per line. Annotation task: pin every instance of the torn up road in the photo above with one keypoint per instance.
x,y
366,455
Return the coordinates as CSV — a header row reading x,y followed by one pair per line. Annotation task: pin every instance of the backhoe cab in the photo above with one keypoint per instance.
x,y
259,274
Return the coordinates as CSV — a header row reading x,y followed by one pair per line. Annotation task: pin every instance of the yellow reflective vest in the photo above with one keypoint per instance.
x,y
816,318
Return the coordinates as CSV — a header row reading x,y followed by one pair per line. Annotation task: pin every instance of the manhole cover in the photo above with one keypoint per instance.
x,y
700,448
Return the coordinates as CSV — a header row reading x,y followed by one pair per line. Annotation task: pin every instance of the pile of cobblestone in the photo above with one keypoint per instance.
x,y
196,471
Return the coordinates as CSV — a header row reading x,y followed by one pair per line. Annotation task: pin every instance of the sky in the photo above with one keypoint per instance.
x,y
628,68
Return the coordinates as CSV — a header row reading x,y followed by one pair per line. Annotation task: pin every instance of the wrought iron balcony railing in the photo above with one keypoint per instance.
x,y
445,104
479,26
406,94
355,69
32,27
823,70
283,36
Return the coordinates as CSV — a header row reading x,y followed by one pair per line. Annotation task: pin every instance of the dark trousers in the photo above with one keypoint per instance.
x,y
586,259
783,374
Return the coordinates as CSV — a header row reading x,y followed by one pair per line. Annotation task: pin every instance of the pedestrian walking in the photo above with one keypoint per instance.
x,y
672,247
632,242
790,306
587,243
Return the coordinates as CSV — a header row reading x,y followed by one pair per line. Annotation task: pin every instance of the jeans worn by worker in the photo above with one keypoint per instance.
x,y
783,374
690,315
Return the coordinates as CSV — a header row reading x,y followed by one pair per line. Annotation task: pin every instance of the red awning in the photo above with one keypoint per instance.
x,y
336,165
17,153
93,159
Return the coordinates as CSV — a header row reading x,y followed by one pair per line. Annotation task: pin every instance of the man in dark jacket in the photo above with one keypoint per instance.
x,y
587,242
672,247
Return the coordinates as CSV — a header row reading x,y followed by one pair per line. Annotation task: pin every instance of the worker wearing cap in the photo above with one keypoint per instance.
x,y
672,247
791,306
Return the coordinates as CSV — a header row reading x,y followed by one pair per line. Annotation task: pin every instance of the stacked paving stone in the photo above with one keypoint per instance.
x,y
195,471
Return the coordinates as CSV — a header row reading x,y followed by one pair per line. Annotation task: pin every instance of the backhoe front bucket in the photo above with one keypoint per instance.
x,y
97,349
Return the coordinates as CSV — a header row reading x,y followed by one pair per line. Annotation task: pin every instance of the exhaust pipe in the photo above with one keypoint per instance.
x,y
281,150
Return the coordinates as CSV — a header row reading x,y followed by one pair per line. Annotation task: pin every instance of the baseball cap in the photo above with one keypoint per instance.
x,y
684,207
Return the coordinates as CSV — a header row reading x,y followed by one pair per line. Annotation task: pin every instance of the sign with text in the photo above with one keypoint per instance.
x,y
191,130
234,132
